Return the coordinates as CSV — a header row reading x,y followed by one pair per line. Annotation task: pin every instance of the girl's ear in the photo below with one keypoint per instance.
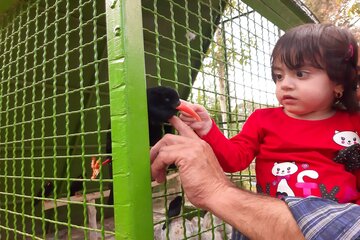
x,y
339,88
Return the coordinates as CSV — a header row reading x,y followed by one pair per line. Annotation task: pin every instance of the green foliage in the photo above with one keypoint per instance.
x,y
340,13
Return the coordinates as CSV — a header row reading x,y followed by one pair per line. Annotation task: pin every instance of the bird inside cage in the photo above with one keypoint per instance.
x,y
162,103
173,228
45,191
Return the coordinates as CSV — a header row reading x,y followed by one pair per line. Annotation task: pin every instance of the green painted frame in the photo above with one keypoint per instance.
x,y
132,205
283,13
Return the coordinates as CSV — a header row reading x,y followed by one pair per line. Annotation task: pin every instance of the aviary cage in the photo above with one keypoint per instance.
x,y
70,68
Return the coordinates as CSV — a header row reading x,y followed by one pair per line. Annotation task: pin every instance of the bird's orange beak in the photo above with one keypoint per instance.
x,y
184,108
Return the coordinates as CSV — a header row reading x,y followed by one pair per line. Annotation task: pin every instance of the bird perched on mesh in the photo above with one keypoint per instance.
x,y
174,228
162,103
174,210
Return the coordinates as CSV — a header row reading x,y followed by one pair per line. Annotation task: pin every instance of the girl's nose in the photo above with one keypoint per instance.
x,y
287,83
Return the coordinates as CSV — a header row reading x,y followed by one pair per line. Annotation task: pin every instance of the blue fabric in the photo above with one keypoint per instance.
x,y
322,219
236,235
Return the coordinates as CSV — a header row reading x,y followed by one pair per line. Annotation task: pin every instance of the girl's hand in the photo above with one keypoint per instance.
x,y
200,127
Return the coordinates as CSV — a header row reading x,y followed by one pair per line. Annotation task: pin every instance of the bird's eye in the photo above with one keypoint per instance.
x,y
167,99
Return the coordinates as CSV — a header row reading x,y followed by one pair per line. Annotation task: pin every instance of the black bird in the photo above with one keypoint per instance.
x,y
76,186
111,195
48,189
162,103
174,210
109,150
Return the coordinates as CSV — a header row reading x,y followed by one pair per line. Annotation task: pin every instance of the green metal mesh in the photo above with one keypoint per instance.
x,y
54,118
216,53
65,64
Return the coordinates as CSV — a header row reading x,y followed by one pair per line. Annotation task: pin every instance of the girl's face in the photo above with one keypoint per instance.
x,y
305,93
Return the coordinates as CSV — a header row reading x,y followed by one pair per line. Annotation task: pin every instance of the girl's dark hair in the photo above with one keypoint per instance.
x,y
326,47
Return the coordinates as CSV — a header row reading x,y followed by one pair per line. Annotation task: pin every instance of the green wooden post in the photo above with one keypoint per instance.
x,y
130,151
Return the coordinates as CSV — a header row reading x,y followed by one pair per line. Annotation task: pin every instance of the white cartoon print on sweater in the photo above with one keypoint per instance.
x,y
346,138
282,171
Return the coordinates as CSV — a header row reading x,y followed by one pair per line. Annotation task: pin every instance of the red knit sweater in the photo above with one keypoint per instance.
x,y
293,157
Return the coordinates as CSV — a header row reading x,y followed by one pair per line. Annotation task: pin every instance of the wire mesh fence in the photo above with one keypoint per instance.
x,y
217,55
58,88
54,116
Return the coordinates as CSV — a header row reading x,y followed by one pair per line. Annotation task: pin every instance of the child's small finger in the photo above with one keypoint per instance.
x,y
186,118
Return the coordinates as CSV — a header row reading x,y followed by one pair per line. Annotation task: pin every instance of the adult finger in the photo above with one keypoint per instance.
x,y
167,140
200,173
182,128
167,155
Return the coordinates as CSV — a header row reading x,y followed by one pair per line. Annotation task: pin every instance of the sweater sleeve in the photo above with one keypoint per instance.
x,y
237,153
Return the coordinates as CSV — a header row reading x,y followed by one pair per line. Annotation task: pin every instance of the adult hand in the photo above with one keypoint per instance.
x,y
201,176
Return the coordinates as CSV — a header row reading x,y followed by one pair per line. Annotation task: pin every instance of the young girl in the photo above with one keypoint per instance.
x,y
314,69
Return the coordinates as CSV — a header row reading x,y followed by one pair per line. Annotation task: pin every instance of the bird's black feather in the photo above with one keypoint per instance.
x,y
76,186
174,209
108,151
48,189
111,195
161,104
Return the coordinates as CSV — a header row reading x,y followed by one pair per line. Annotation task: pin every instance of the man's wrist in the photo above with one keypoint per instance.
x,y
256,216
224,199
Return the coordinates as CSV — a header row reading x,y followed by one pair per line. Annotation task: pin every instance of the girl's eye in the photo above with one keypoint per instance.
x,y
277,77
300,74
